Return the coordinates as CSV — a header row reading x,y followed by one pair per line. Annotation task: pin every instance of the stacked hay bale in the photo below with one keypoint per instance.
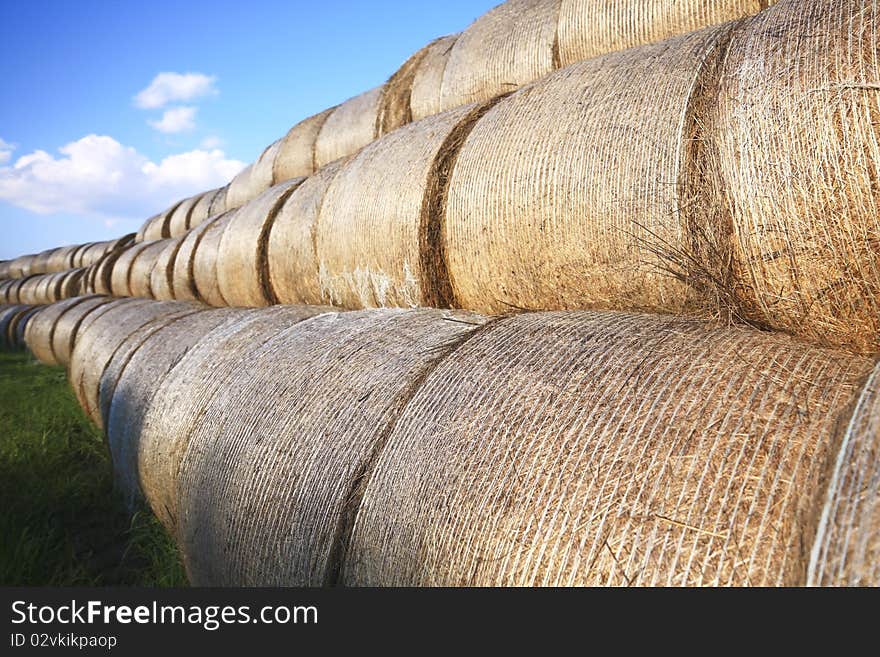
x,y
40,332
14,319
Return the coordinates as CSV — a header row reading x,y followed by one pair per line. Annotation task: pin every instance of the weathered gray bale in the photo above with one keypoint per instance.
x,y
18,325
5,286
375,243
177,405
428,79
267,485
296,153
605,449
67,325
350,127
204,261
162,275
101,334
846,550
9,316
141,272
292,257
40,330
135,374
505,48
242,257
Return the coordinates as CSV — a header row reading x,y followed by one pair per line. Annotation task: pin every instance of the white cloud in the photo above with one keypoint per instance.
x,y
174,87
5,151
210,142
176,119
98,176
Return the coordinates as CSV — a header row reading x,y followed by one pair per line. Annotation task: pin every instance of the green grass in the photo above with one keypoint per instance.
x,y
61,521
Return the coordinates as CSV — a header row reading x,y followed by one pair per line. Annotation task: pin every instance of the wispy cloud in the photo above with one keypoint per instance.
x,y
211,142
176,119
99,176
6,150
175,87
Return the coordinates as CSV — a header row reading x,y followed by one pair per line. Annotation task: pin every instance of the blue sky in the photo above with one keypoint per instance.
x,y
71,72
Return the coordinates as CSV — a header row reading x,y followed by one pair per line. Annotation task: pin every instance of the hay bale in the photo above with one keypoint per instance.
x,y
296,153
101,334
13,292
72,283
4,290
605,449
61,259
40,330
846,551
40,263
102,271
350,127
218,202
254,179
428,79
242,257
204,261
505,48
799,152
120,274
291,253
162,275
202,209
9,316
265,486
566,193
77,257
32,289
375,243
588,28
134,375
177,405
121,242
178,222
93,253
183,277
68,324
159,226
141,271
17,325
20,267
395,109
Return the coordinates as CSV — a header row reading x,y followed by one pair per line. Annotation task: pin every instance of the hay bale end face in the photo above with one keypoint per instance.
x,y
605,449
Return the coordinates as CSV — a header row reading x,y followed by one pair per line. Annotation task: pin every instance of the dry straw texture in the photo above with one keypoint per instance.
x,y
68,324
504,49
296,154
291,251
218,202
605,449
425,89
183,276
350,127
41,329
178,224
136,371
370,234
269,481
142,268
202,209
242,266
10,318
847,547
588,28
162,275
204,260
395,109
799,150
101,334
120,274
566,193
177,408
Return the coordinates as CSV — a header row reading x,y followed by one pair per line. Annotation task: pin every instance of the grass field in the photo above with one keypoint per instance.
x,y
61,522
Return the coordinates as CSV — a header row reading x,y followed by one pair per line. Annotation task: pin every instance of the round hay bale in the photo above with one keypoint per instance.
x,y
291,254
177,405
67,326
76,258
120,274
395,109
134,375
218,202
4,269
373,241
93,253
18,325
204,261
8,314
178,223
263,174
159,227
13,293
31,290
41,329
62,259
502,50
350,127
202,209
72,283
296,153
20,267
566,193
4,290
245,186
140,235
99,337
242,256
102,271
162,276
121,242
428,79
846,551
263,502
588,28
40,264
142,269
605,449
183,276
799,152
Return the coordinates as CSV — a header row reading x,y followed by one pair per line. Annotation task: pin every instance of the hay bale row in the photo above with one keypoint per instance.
x,y
60,259
40,332
14,319
433,447
42,288
846,551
